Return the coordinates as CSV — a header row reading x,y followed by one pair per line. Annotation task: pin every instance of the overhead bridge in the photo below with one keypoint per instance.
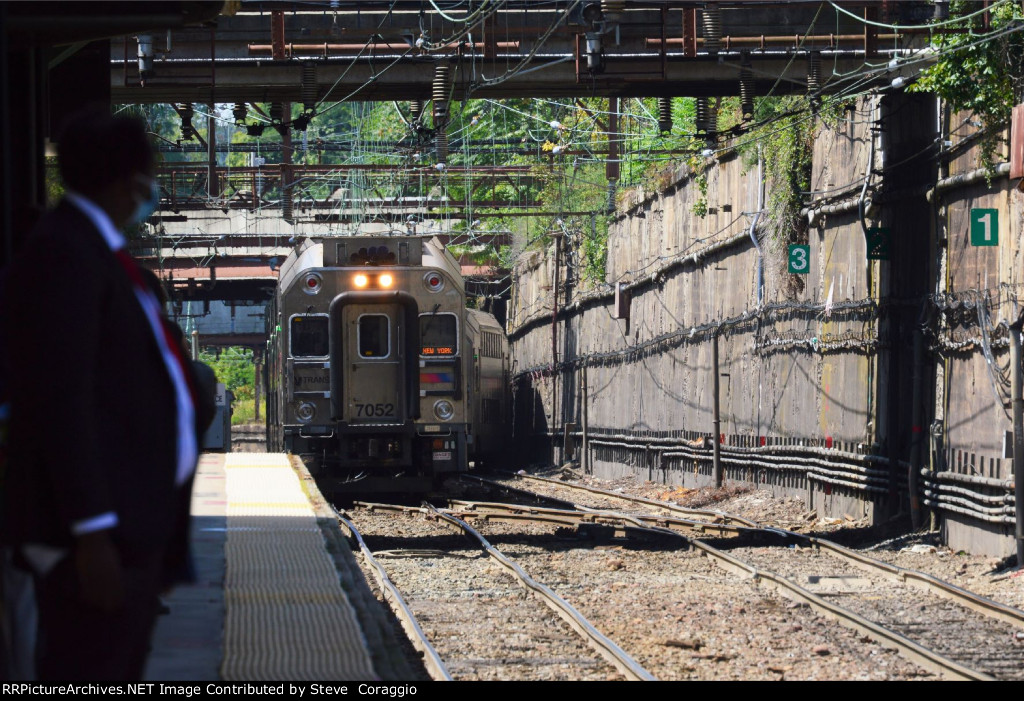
x,y
391,50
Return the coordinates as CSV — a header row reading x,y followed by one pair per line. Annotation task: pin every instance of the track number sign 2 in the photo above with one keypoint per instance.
x,y
799,258
878,243
984,227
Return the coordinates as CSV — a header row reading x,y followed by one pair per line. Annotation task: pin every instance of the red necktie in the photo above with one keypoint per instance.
x,y
135,275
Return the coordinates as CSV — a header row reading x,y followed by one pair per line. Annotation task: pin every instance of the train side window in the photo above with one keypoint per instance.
x,y
309,336
374,336
439,335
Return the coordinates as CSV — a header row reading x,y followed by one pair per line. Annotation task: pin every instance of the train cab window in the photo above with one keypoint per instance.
x,y
374,336
439,335
309,336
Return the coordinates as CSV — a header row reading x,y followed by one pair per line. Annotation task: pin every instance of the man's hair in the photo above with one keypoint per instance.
x,y
96,148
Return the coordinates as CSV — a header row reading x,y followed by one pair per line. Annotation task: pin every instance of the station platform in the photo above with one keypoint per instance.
x,y
278,594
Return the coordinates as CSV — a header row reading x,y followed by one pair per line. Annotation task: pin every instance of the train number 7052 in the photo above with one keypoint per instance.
x,y
375,409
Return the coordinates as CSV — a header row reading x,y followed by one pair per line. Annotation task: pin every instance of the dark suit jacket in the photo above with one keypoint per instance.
x,y
93,422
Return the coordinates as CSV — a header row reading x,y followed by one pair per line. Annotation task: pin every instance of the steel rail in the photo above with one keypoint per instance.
x,y
927,582
525,492
607,649
515,512
910,649
725,518
431,660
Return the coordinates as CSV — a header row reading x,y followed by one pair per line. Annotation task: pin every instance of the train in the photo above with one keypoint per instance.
x,y
378,374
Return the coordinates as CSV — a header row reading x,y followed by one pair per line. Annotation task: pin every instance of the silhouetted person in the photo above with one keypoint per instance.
x,y
102,435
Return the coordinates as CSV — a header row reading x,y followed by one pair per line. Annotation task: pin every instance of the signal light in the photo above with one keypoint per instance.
x,y
433,281
313,283
385,280
361,280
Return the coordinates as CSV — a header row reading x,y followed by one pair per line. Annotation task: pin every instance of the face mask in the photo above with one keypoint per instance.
x,y
148,206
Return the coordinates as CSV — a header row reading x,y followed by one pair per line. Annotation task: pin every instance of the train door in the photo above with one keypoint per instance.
x,y
375,364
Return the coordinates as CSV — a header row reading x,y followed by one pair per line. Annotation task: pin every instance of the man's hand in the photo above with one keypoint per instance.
x,y
99,571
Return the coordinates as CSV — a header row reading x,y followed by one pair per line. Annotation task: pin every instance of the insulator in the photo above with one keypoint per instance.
x,y
286,204
309,91
746,90
814,72
711,126
184,110
702,114
610,202
415,110
664,114
439,92
276,112
441,145
711,22
239,112
593,45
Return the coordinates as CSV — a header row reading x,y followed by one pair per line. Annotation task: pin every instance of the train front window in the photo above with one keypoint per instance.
x,y
439,335
374,336
309,336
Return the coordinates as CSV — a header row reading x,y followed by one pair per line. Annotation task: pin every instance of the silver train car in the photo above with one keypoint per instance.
x,y
378,375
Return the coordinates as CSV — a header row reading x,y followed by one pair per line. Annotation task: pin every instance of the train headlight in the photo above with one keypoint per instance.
x,y
361,280
386,280
312,283
443,409
433,281
305,412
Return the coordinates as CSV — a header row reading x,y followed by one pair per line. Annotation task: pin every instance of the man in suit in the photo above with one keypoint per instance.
x,y
103,427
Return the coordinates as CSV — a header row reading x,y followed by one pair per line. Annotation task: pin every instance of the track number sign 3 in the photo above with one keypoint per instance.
x,y
799,258
984,227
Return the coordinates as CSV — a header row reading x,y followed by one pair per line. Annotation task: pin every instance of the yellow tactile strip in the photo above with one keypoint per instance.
x,y
287,617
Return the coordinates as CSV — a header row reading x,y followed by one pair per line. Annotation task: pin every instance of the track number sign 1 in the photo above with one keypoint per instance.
x,y
799,258
984,227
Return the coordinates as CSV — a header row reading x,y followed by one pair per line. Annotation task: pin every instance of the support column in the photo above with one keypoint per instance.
x,y
213,184
717,438
1018,436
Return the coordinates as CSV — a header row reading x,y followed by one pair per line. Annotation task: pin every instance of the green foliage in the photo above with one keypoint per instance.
x,y
699,170
983,76
233,366
595,251
243,409
54,184
784,143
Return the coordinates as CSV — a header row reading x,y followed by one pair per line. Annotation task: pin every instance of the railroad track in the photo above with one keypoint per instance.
x,y
629,590
606,499
955,641
976,633
470,613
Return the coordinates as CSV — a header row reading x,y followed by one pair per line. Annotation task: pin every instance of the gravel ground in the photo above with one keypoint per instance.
x,y
682,617
987,576
953,631
674,611
481,621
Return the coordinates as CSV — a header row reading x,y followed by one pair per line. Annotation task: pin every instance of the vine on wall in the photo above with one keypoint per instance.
x,y
980,70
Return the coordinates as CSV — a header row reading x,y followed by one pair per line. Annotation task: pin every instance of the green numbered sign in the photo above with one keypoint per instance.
x,y
878,243
984,227
799,258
